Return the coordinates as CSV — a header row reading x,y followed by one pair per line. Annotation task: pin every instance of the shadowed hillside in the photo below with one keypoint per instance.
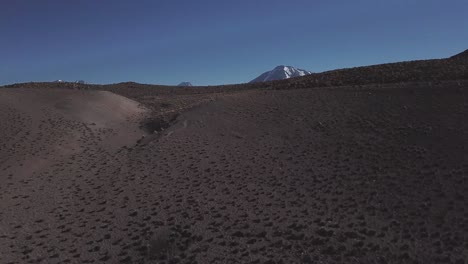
x,y
455,68
463,56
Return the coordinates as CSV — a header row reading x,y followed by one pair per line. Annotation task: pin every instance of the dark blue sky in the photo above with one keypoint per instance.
x,y
216,42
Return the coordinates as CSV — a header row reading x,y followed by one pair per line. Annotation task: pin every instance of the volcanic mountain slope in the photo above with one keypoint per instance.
x,y
280,73
341,175
185,84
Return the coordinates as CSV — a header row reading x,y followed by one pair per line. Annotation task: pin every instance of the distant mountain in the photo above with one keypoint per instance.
x,y
454,68
185,84
280,73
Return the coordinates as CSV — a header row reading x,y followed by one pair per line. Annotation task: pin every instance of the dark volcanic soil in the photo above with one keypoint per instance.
x,y
337,175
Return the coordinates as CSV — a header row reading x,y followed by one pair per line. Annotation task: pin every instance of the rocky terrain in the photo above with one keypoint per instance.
x,y
294,171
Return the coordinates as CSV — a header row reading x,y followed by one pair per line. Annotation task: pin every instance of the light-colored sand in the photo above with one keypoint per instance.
x,y
42,125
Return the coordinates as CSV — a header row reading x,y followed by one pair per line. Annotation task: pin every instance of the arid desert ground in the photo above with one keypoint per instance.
x,y
338,174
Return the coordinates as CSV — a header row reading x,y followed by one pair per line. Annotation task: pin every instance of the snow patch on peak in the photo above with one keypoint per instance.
x,y
279,73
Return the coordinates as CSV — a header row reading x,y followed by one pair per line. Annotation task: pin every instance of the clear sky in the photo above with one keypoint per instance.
x,y
211,42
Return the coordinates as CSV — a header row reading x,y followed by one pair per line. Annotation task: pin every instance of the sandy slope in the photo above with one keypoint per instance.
x,y
298,176
46,133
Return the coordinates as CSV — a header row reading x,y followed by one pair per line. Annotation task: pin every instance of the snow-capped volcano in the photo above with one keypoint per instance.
x,y
185,84
280,73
